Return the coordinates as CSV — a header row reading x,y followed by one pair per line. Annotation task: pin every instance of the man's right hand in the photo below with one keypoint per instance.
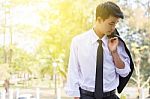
x,y
76,97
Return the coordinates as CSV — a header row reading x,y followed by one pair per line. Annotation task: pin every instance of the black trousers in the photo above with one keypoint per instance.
x,y
84,94
90,97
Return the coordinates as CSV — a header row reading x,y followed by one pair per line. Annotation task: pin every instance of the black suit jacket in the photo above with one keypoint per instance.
x,y
124,80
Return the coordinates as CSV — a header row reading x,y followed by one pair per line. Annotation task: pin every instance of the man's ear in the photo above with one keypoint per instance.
x,y
99,19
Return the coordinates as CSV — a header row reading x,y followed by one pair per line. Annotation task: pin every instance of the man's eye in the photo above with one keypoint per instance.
x,y
111,24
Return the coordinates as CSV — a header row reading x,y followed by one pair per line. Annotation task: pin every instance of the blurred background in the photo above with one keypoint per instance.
x,y
35,37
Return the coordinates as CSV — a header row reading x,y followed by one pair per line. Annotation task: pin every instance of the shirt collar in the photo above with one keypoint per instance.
x,y
94,37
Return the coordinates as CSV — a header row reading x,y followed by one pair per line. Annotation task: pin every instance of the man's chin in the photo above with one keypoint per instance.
x,y
108,33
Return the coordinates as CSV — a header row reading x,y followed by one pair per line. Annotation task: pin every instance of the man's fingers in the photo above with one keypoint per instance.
x,y
112,39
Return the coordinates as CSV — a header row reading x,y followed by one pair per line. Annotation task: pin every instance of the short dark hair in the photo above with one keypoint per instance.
x,y
107,9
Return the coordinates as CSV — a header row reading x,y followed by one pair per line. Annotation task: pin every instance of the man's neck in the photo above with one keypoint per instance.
x,y
98,33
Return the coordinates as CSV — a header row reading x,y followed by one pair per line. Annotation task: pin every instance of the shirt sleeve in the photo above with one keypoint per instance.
x,y
72,86
125,58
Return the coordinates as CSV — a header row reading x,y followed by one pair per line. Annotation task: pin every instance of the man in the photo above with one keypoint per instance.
x,y
92,75
6,85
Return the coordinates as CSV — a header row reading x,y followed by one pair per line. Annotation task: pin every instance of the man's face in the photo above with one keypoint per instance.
x,y
107,26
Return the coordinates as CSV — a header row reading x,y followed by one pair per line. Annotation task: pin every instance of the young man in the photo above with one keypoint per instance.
x,y
97,63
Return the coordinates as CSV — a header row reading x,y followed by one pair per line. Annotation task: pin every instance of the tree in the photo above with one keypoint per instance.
x,y
137,38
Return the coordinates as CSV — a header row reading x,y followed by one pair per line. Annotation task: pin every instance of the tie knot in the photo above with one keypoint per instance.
x,y
99,41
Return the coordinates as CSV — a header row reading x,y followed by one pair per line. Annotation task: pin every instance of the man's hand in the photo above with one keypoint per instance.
x,y
112,44
76,97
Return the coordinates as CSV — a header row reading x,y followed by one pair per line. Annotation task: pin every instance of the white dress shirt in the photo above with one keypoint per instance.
x,y
82,64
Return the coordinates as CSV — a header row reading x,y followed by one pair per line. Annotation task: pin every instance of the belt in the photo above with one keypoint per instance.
x,y
88,93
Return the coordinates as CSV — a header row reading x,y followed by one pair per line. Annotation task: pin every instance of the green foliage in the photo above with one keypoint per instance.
x,y
22,61
58,21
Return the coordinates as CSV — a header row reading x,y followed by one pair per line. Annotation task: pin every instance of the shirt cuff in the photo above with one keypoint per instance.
x,y
125,71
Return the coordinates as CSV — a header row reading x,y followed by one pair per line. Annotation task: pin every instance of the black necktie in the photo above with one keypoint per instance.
x,y
99,72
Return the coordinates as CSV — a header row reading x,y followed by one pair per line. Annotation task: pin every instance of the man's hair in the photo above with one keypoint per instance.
x,y
108,9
